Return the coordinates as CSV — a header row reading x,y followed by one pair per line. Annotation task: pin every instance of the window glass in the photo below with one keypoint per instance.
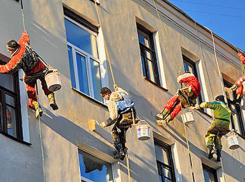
x,y
96,79
81,38
209,174
72,74
94,169
161,155
82,73
83,57
10,116
148,55
236,118
164,162
11,121
6,81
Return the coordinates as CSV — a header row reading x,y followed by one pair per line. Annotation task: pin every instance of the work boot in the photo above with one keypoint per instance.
x,y
218,152
162,114
118,154
211,152
165,122
52,102
38,109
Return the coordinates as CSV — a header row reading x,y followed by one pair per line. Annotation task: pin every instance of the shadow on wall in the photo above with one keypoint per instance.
x,y
73,133
232,164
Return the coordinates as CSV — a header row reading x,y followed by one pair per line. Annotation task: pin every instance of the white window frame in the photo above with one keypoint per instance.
x,y
101,60
85,179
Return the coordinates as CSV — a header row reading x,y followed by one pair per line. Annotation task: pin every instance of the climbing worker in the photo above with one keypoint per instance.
x,y
186,97
219,127
122,112
23,57
238,85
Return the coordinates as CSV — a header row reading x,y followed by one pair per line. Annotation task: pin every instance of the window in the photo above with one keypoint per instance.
x,y
209,174
148,55
190,66
236,118
93,169
164,162
10,116
85,66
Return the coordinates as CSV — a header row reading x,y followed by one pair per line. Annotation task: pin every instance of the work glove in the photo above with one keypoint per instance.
x,y
103,125
197,106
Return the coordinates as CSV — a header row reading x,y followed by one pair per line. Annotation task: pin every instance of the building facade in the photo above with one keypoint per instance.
x,y
148,43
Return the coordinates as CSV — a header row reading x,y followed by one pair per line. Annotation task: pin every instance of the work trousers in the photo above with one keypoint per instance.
x,y
120,128
217,129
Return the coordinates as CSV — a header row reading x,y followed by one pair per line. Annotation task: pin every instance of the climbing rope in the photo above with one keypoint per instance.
x,y
200,45
23,17
112,74
216,60
186,136
39,119
165,32
106,48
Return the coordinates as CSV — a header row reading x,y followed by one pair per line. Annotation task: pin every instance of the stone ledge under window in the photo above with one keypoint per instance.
x,y
155,84
90,98
16,139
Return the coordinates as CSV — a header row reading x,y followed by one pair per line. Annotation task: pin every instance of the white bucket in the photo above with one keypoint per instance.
x,y
188,118
143,131
233,141
53,81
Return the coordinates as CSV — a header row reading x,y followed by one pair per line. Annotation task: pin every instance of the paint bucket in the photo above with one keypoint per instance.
x,y
232,140
53,81
188,118
143,130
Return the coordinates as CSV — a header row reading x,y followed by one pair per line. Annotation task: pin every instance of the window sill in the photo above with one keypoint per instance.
x,y
16,139
90,98
155,84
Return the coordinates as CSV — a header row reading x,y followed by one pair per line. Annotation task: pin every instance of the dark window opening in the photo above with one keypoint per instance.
x,y
190,66
236,118
164,162
209,174
148,55
10,115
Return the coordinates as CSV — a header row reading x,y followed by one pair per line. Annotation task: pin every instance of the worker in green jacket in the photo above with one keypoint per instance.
x,y
219,127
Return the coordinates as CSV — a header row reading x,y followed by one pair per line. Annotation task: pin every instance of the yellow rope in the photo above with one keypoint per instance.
x,y
187,141
129,177
216,60
106,48
200,45
42,151
165,32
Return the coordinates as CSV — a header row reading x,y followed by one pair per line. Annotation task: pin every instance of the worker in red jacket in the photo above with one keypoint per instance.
x,y
23,57
238,85
192,90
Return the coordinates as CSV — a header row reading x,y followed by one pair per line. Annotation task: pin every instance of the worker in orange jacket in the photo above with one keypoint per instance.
x,y
238,85
23,57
